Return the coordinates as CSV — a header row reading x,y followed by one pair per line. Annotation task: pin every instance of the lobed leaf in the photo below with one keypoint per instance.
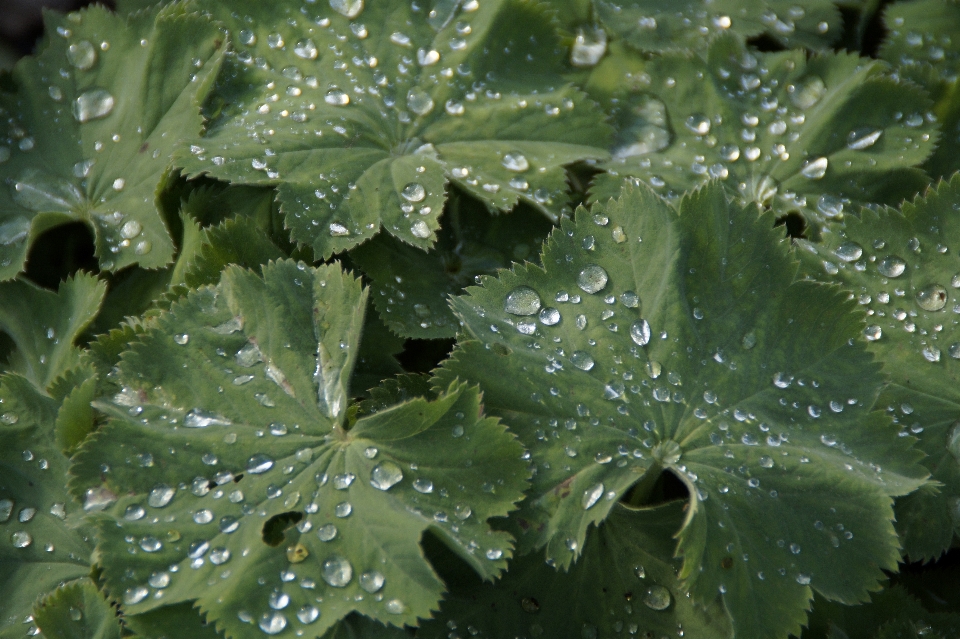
x,y
901,267
361,114
774,128
89,133
245,483
654,342
76,611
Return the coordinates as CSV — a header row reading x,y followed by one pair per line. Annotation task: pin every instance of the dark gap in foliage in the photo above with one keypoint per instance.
x,y
875,32
21,21
765,44
795,224
424,355
6,348
666,488
59,253
275,527
579,177
933,582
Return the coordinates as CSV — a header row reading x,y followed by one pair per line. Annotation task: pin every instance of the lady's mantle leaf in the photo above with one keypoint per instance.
x,y
653,342
76,611
40,545
45,325
625,581
89,133
410,286
361,114
903,268
655,25
775,128
247,485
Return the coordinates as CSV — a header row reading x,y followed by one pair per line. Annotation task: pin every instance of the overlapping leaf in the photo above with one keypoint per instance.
x,y
922,42
778,128
624,582
655,25
41,543
658,342
903,269
362,114
89,133
410,286
244,482
77,611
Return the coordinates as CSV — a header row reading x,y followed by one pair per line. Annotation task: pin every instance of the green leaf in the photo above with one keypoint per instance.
x,y
626,580
901,268
360,627
76,611
654,25
656,342
231,449
179,621
368,118
45,325
235,241
410,286
94,143
377,358
40,543
775,128
921,42
75,417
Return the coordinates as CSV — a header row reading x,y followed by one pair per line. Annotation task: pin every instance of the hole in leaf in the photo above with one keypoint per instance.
x,y
666,488
59,253
275,528
423,355
795,224
765,43
238,477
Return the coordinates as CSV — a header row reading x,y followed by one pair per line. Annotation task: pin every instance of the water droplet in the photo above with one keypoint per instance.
x,y
273,623
203,516
522,300
863,138
413,192
591,496
807,95
419,101
336,97
343,509
258,464
151,544
395,607
134,512
372,581
198,418
424,486
278,600
308,614
588,47
349,8
549,316
582,360
385,475
82,55
803,579
337,571
815,169
932,298
306,49
327,532
97,499
657,597
159,579
420,229
92,105
698,124
515,161
849,251
640,332
892,266
592,279
135,595
21,539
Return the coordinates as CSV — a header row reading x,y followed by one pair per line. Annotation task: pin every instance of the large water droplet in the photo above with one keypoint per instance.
x,y
932,298
199,418
21,539
815,169
892,266
588,47
515,161
151,544
273,623
591,496
278,600
308,614
92,105
385,475
863,138
348,8
640,332
592,278
809,93
327,532
97,499
337,571
522,300
306,49
698,123
259,463
159,579
372,581
336,97
849,251
135,595
82,55
420,229
413,192
582,360
419,101
6,508
395,607
657,597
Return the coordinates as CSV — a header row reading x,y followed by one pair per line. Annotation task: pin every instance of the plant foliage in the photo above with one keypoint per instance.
x,y
482,318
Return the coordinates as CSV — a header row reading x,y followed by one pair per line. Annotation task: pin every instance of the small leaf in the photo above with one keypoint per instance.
x,y
685,346
92,128
410,286
625,581
76,611
902,269
232,421
40,543
774,128
653,25
372,112
179,621
45,325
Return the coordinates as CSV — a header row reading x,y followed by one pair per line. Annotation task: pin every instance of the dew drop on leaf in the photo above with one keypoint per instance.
x,y
305,49
932,297
259,463
336,97
278,600
515,161
96,499
385,475
522,300
203,516
582,360
592,279
337,571
419,101
92,105
698,124
372,581
348,8
395,607
892,266
591,496
588,47
549,316
21,539
849,251
420,229
133,512
327,532
413,192
863,138
657,597
809,93
135,595
272,623
640,334
424,486
343,509
308,614
198,418
815,169
159,579
82,55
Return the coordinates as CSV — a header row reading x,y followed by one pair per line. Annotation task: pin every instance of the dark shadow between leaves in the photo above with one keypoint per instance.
x,y
59,253
665,488
275,528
